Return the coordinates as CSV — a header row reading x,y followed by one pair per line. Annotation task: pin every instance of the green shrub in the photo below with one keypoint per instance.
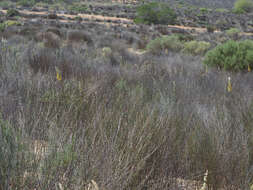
x,y
26,3
8,23
158,45
243,6
185,37
221,10
204,10
78,8
210,28
12,13
221,24
155,13
231,55
233,33
196,47
2,27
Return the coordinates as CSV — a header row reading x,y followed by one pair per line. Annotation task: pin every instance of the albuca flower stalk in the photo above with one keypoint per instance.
x,y
204,186
229,87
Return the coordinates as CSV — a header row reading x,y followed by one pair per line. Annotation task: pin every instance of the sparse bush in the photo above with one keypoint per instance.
x,y
171,43
243,6
78,8
26,3
204,10
12,13
221,24
2,27
233,33
79,36
41,61
155,13
196,47
8,23
231,55
221,10
51,40
185,37
106,51
210,28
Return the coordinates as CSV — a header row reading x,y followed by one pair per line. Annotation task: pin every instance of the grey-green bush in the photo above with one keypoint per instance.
x,y
196,47
158,45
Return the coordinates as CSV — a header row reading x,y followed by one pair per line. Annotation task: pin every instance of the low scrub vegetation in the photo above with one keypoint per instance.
x,y
231,55
159,45
78,8
196,47
26,3
177,43
233,33
84,104
71,117
155,13
12,13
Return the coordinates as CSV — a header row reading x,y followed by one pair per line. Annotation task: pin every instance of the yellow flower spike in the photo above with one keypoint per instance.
x,y
206,69
58,74
249,69
229,87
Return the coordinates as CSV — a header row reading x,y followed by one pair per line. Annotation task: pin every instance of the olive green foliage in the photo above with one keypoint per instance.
x,y
5,4
243,6
155,13
231,55
204,10
196,47
185,37
210,28
160,44
12,13
78,8
221,10
233,32
26,3
8,23
2,27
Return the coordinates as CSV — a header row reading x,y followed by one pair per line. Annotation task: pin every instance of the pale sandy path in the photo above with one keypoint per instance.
x,y
102,18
